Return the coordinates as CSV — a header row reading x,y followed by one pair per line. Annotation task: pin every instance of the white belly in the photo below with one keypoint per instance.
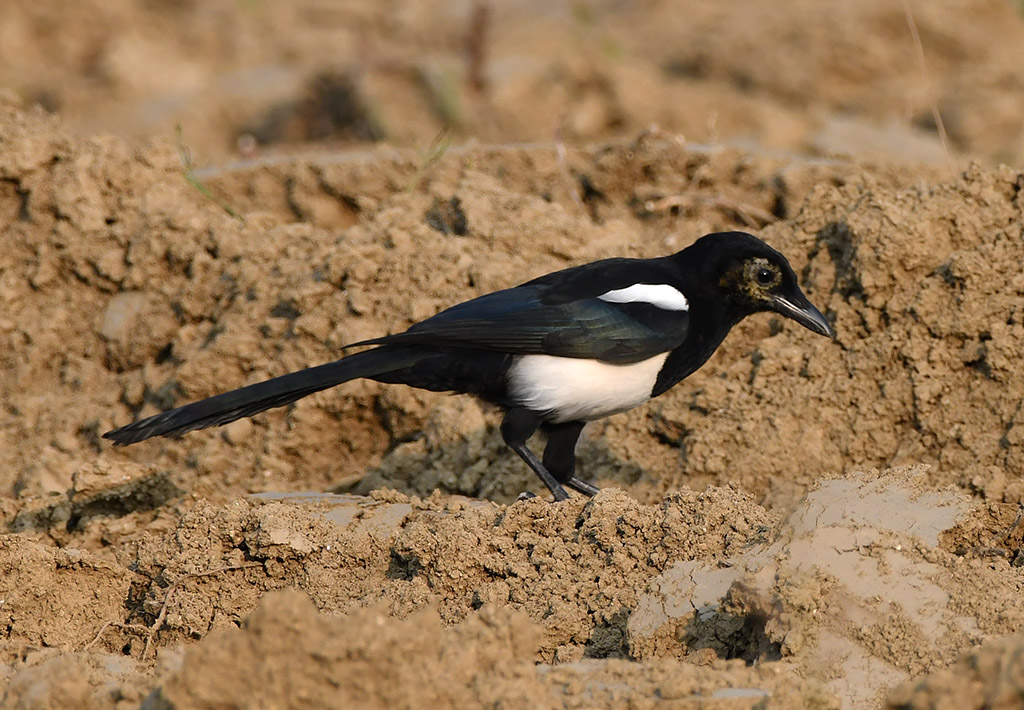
x,y
574,389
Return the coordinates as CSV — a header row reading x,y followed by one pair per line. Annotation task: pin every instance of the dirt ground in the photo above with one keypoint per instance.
x,y
199,195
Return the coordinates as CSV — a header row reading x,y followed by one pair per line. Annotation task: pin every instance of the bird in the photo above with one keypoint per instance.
x,y
553,353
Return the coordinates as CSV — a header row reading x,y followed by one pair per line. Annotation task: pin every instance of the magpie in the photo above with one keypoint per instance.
x,y
556,352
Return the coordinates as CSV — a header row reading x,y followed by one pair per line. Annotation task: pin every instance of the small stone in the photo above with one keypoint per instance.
x,y
121,310
238,431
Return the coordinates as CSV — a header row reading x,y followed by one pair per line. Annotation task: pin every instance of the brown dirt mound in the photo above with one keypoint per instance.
x,y
990,677
42,589
363,660
579,567
925,286
174,299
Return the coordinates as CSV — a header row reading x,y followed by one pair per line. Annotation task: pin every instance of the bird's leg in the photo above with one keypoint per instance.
x,y
560,456
534,463
516,428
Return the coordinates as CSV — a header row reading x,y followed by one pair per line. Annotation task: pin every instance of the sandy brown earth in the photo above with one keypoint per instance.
x,y
802,523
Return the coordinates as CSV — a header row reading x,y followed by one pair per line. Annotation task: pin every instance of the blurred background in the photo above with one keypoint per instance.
x,y
905,79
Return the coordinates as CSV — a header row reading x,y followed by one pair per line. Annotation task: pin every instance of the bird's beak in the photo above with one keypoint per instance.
x,y
803,312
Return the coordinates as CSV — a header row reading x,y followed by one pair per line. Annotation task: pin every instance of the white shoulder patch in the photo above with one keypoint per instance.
x,y
660,295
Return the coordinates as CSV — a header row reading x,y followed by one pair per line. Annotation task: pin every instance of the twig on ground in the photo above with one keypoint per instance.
x,y
919,50
192,179
134,628
1014,524
434,152
563,163
162,616
476,46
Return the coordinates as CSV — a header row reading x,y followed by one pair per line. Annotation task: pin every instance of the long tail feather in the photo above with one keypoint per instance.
x,y
246,401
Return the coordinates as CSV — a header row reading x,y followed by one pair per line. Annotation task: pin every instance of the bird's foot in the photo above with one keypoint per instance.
x,y
578,485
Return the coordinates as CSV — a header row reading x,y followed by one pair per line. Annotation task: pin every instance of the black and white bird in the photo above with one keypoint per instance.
x,y
556,352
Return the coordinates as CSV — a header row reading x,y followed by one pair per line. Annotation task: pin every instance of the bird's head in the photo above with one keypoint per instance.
x,y
751,277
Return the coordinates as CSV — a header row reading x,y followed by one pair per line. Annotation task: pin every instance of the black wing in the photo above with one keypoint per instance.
x,y
560,314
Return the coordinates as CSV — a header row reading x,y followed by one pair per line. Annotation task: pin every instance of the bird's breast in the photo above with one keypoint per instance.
x,y
576,389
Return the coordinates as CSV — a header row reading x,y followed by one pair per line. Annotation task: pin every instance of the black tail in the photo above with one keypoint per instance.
x,y
246,401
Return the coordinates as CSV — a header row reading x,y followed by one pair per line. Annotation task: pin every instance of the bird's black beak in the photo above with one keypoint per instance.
x,y
803,312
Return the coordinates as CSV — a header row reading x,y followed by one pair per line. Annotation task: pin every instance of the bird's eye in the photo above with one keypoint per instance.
x,y
765,276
